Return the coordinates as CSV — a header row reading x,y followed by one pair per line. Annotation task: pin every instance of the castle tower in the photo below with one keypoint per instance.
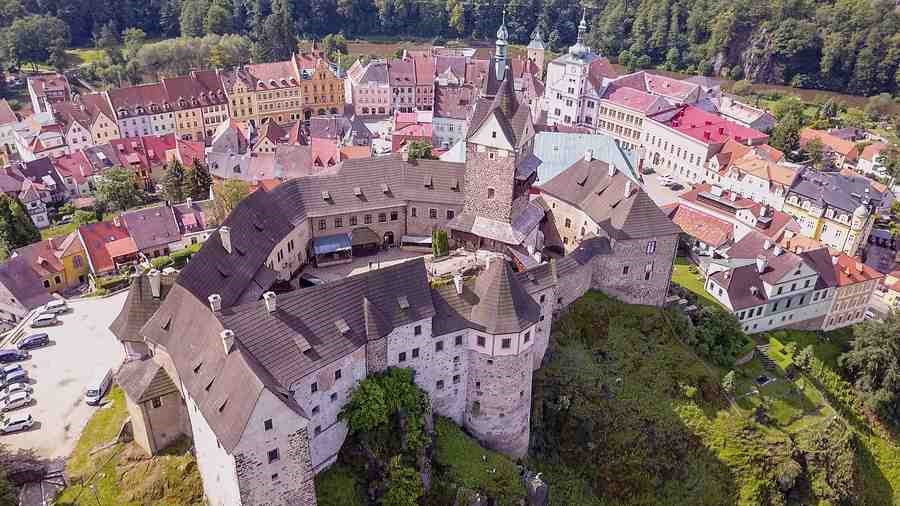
x,y
498,389
537,50
580,49
500,166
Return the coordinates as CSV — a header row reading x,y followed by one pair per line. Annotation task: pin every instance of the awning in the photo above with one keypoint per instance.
x,y
364,235
416,239
331,244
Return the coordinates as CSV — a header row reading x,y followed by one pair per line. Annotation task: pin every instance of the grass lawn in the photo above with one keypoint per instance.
x,y
339,486
58,230
122,474
686,275
84,56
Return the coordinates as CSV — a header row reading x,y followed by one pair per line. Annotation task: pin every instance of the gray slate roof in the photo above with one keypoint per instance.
x,y
309,315
588,186
143,380
26,287
139,307
836,190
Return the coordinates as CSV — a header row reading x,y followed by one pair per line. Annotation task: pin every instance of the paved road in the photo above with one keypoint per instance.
x,y
80,347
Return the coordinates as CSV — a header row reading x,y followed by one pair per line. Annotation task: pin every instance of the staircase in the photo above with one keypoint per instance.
x,y
762,351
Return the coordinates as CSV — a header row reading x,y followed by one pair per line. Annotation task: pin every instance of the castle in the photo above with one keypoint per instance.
x,y
257,378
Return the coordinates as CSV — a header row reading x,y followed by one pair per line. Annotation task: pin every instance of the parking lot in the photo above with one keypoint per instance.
x,y
80,347
661,194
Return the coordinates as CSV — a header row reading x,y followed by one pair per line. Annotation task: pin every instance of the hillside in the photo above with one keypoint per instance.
x,y
625,414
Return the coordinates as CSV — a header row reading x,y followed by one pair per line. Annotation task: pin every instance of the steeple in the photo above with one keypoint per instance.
x,y
500,56
579,49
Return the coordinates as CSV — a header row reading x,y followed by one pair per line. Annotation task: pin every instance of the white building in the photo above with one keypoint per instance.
x,y
574,81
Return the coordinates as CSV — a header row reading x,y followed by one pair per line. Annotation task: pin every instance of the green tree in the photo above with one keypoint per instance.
x,y
803,359
873,361
728,383
788,105
174,182
197,181
16,227
118,189
193,16
419,149
815,153
217,20
404,485
890,159
879,106
82,217
227,195
334,46
786,134
440,244
35,39
132,41
719,336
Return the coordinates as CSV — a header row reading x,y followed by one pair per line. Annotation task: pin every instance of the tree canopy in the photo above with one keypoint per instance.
x,y
16,227
873,362
118,189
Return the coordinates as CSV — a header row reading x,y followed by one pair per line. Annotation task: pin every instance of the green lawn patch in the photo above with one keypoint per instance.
x,y
122,474
466,463
686,275
84,56
339,486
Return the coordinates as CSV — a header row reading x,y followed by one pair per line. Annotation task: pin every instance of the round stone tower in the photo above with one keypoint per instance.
x,y
498,391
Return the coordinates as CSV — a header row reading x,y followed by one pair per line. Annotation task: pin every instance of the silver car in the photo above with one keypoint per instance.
x,y
16,423
13,388
15,401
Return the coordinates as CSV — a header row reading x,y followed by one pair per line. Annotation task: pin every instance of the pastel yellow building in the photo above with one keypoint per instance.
x,y
59,262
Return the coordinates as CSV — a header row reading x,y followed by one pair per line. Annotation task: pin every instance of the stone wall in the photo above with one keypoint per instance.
x,y
323,403
272,459
216,466
376,355
634,276
499,401
396,226
139,426
484,173
166,421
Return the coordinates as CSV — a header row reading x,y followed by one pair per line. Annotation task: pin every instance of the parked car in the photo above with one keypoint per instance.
x,y
16,423
19,376
12,355
13,388
16,401
33,341
97,388
44,320
56,306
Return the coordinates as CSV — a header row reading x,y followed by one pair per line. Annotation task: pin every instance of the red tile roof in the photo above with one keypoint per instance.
x,y
7,115
705,228
832,143
710,128
75,165
631,98
850,271
95,237
424,67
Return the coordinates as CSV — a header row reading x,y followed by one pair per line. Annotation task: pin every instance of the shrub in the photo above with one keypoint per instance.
x,y
161,262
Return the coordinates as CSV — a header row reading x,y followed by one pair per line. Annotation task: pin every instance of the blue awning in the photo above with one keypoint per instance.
x,y
331,244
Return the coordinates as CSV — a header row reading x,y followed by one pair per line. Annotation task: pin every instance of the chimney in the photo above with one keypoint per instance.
x,y
777,250
225,237
588,155
834,260
189,202
227,340
762,211
117,222
458,283
628,188
760,264
859,267
767,244
404,155
155,282
612,170
215,302
269,297
733,196
754,290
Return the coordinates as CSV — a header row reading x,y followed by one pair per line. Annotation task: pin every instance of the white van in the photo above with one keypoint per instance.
x,y
56,306
98,388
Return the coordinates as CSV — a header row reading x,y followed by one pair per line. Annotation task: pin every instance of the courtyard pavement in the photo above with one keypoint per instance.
x,y
659,193
80,348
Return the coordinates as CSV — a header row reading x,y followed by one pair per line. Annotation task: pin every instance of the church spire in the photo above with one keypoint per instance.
x,y
582,27
501,44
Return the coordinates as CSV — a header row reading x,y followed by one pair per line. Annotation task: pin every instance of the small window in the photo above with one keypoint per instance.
x,y
415,353
334,397
490,193
394,215
382,217
543,298
625,270
440,384
337,374
481,341
401,357
456,379
315,410
314,388
506,343
432,213
458,340
156,402
527,337
273,455
417,330
318,430
267,425
439,346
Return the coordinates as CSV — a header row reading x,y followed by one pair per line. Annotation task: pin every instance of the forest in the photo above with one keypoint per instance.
x,y
851,46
